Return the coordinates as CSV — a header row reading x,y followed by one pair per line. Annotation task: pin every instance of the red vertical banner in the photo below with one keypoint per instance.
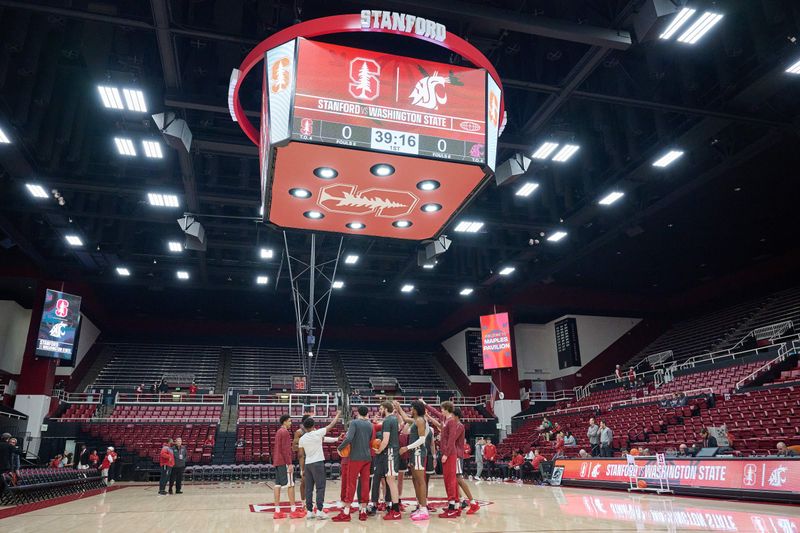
x,y
496,341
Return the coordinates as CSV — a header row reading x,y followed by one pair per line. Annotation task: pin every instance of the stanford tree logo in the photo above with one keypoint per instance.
x,y
365,78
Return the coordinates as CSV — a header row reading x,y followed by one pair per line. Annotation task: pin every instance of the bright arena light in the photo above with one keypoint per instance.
x,y
152,149
351,259
611,197
162,200
544,151
507,271
266,253
794,69
110,97
557,236
124,272
466,291
677,22
407,288
134,99
182,274
262,280
337,284
125,146
175,246
73,240
668,158
700,27
468,226
526,189
4,138
566,153
37,191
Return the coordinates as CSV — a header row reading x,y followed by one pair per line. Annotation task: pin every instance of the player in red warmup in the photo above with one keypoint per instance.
x,y
284,470
450,460
463,453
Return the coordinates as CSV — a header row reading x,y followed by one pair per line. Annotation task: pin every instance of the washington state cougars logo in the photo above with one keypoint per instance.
x,y
384,203
429,92
365,83
62,308
280,76
58,330
778,477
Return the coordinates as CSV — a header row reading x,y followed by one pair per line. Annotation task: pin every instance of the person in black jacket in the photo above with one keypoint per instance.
x,y
706,440
83,458
7,450
176,477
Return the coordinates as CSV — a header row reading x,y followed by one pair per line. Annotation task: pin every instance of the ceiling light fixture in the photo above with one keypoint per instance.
x,y
351,259
677,22
794,69
407,288
356,225
152,149
544,151
611,197
557,236
73,240
4,138
429,266
507,271
175,246
566,153
431,208
266,253
122,271
37,191
700,27
466,291
262,280
315,215
668,158
382,170
110,97
125,146
162,200
402,224
526,189
428,185
467,226
182,274
325,173
134,99
299,193
337,284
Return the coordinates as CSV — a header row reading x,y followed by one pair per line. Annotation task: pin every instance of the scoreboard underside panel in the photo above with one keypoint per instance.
x,y
343,189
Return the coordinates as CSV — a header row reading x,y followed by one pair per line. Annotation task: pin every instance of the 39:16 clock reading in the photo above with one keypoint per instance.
x,y
395,141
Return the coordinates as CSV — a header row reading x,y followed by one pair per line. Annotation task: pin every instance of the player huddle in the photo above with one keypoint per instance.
x,y
387,447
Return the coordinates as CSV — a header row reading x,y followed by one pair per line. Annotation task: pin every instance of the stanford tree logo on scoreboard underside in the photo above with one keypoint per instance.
x,y
365,81
384,203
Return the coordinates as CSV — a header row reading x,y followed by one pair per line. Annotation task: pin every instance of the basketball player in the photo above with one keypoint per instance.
x,y
312,462
419,454
296,449
387,461
284,470
462,450
402,470
358,436
449,460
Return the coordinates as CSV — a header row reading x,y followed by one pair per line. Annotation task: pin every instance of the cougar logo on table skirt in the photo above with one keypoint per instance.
x,y
384,203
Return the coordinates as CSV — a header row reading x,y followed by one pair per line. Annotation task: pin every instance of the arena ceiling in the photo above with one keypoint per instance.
x,y
727,204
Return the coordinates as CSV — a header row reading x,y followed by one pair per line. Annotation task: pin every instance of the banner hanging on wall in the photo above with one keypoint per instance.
x,y
496,341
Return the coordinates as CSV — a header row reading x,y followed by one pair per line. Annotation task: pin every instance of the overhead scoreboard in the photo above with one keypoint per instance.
x,y
347,111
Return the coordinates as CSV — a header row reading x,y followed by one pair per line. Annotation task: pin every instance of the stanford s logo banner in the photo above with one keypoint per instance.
x,y
280,76
62,308
749,476
365,83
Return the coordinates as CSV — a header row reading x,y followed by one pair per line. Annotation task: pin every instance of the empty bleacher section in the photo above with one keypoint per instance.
x,y
257,367
703,333
146,439
414,371
134,364
36,484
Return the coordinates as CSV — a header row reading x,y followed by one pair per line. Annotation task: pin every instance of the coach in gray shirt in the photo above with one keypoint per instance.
x,y
176,477
606,436
594,437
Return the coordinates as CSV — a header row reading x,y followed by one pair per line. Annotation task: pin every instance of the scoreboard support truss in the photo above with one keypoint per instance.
x,y
311,305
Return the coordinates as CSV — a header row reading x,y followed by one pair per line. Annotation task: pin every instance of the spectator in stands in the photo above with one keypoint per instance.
x,y
108,460
163,388
180,453
569,439
594,437
56,462
83,458
683,451
706,440
166,460
784,451
559,446
193,389
583,454
154,387
479,445
618,374
632,377
139,390
515,466
489,458
209,440
606,438
94,459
